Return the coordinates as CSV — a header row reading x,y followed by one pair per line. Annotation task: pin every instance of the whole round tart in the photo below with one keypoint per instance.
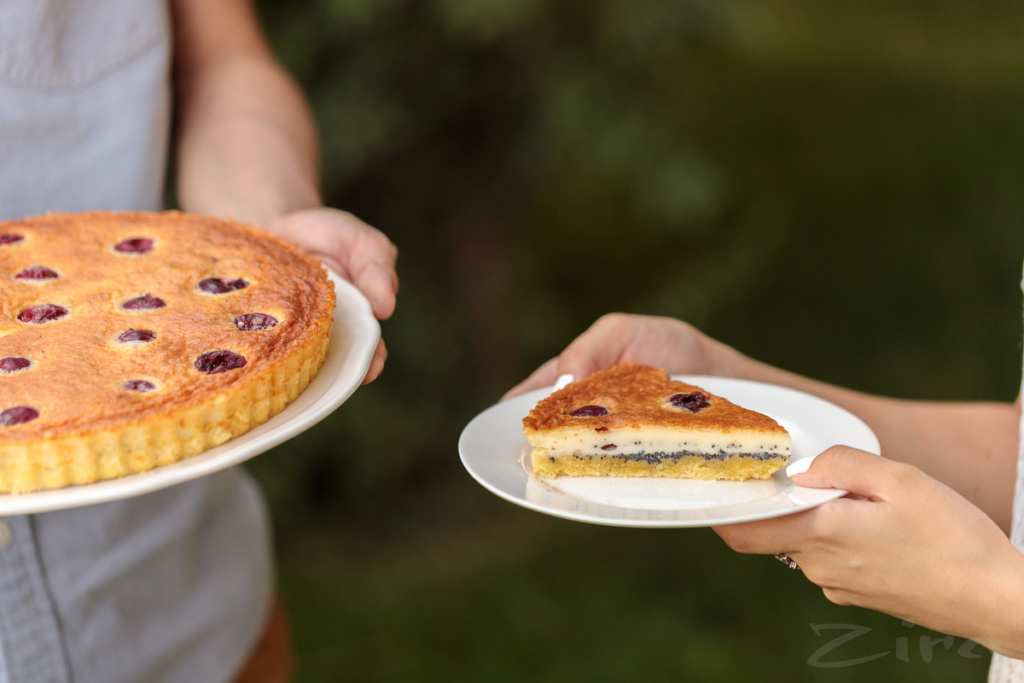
x,y
133,340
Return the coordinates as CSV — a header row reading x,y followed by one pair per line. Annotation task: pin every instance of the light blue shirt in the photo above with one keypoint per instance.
x,y
173,585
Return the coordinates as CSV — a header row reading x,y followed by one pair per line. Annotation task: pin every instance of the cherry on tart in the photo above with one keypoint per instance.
x,y
17,415
113,399
694,401
135,245
14,364
130,336
42,313
254,322
589,411
37,273
216,285
214,362
146,302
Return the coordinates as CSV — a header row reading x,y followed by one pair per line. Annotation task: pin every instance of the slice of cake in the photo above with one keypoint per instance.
x,y
635,421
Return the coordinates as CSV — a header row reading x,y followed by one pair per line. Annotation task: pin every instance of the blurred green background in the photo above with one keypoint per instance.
x,y
831,187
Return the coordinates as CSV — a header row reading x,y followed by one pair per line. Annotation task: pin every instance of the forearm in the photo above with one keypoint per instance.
x,y
999,619
245,140
969,446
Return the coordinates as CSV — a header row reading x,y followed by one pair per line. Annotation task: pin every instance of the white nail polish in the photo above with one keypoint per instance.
x,y
799,466
563,380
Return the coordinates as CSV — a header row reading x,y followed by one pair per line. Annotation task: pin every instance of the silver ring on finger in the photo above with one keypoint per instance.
x,y
786,560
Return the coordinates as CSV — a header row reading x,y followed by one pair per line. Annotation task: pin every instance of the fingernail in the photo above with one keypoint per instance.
x,y
563,380
799,466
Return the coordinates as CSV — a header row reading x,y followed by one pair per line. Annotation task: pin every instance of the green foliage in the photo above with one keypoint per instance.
x,y
830,187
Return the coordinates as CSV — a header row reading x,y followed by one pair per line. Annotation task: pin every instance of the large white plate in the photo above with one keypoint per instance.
x,y
353,342
495,452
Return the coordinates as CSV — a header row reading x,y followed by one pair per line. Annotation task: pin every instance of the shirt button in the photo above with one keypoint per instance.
x,y
6,535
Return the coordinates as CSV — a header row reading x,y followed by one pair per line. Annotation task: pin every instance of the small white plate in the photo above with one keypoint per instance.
x,y
495,452
352,345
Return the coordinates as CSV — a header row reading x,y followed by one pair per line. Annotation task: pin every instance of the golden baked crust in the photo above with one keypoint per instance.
x,y
215,280
635,396
634,420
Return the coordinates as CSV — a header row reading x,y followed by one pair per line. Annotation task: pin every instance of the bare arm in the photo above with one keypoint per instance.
x,y
246,143
246,148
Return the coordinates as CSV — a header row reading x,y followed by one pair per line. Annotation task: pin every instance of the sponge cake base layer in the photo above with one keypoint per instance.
x,y
669,465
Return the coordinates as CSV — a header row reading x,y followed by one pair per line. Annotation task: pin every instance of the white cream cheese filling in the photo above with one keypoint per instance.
x,y
660,441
